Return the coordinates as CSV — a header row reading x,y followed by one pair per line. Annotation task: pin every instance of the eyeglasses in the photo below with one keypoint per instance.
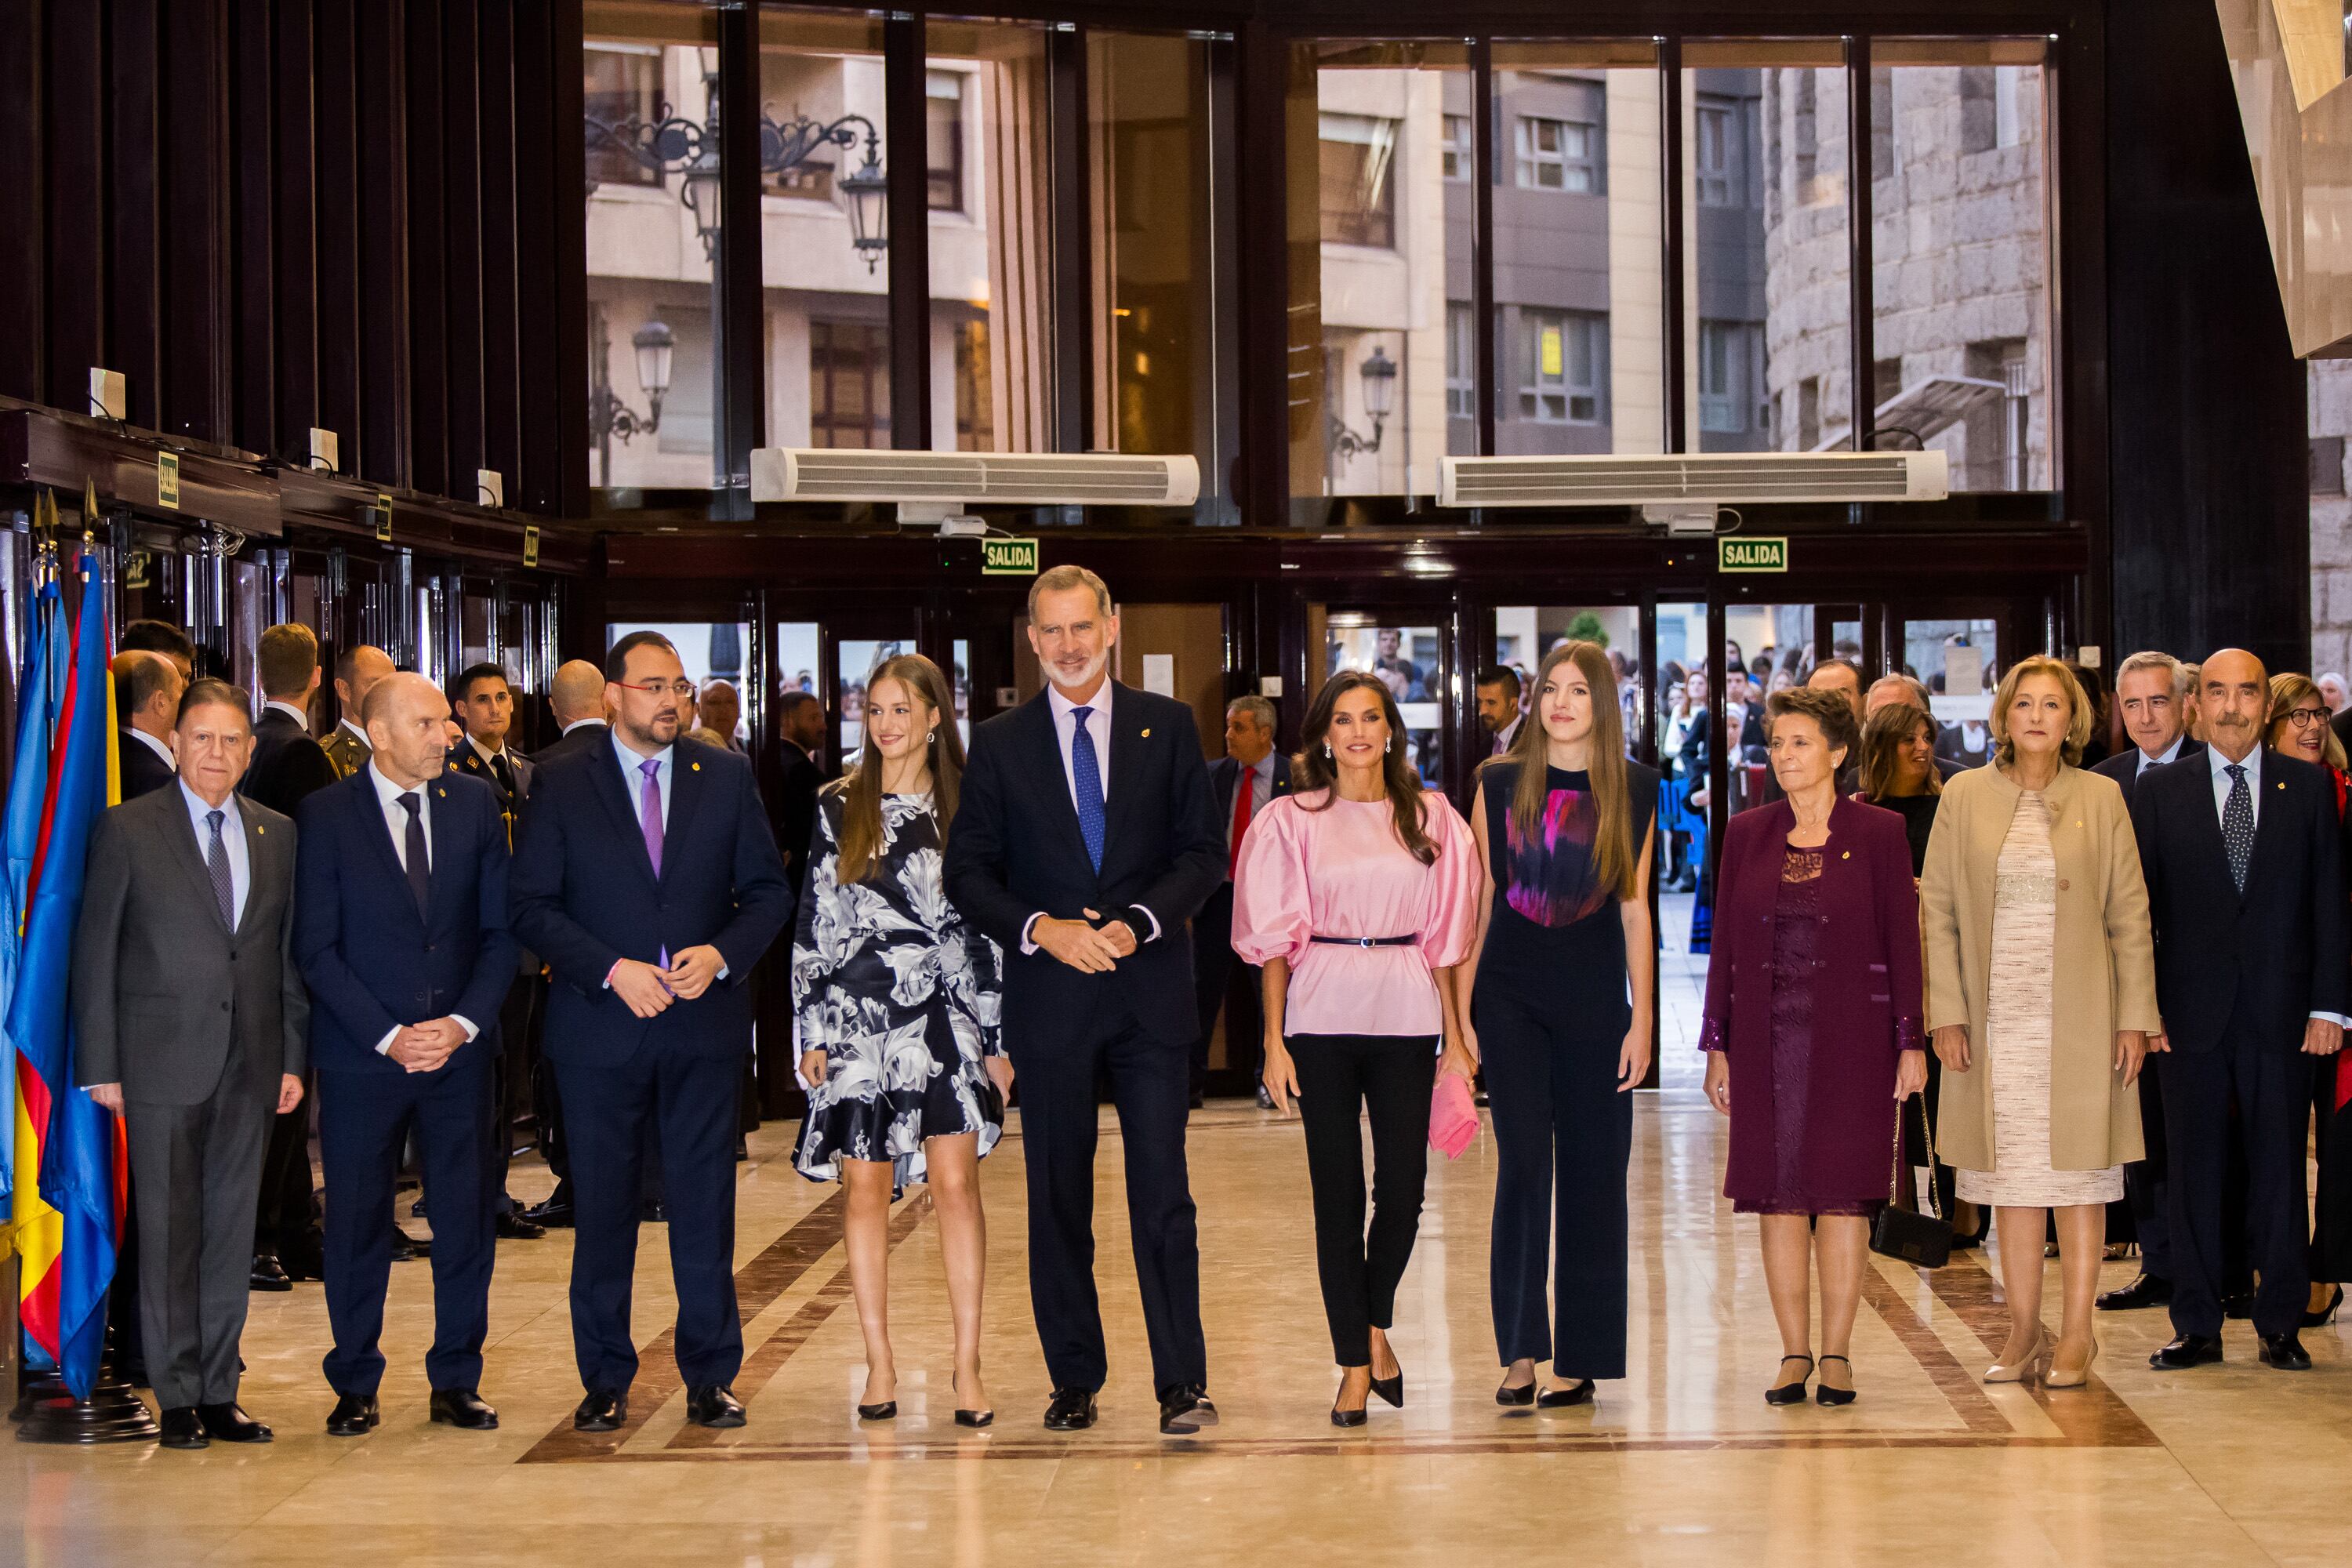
x,y
681,690
2305,718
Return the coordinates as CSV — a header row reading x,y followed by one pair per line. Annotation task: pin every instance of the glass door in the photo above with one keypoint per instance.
x,y
1410,649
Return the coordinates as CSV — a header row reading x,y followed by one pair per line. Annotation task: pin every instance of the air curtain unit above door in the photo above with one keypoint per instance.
x,y
941,483
1682,480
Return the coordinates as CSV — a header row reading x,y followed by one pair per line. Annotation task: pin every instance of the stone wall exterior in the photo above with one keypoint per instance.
x,y
2331,520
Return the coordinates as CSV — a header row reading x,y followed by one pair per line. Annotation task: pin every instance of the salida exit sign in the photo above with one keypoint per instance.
x,y
1744,553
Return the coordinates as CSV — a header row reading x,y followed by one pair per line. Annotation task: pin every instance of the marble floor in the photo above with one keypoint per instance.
x,y
1680,1463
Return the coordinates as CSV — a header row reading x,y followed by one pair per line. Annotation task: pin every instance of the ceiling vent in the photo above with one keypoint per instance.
x,y
1713,478
929,485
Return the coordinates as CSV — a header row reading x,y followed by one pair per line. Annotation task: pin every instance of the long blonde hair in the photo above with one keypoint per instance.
x,y
1614,863
861,788
1313,768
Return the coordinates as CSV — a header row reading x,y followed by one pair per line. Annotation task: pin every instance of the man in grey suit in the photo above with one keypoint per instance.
x,y
193,1024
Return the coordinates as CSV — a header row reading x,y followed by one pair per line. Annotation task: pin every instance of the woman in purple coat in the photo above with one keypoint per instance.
x,y
1812,1026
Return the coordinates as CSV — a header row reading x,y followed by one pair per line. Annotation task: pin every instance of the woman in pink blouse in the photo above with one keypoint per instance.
x,y
1356,893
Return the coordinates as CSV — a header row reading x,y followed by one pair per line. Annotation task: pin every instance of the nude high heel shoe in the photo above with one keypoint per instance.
x,y
2056,1376
2034,1364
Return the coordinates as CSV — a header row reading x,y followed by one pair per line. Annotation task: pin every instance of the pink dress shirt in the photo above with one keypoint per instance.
x,y
1340,872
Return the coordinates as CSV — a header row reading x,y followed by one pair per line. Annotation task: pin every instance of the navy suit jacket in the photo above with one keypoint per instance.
x,y
2124,766
1015,850
2270,957
143,770
1225,771
586,897
371,960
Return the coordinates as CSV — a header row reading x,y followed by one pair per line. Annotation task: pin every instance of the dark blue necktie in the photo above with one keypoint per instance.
x,y
1086,779
2238,824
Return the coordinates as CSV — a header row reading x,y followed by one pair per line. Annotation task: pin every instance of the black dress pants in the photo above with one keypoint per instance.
x,y
2271,1083
284,1225
1213,974
1059,1121
1341,1079
1563,1134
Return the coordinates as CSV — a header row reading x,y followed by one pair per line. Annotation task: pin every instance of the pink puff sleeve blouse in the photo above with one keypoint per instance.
x,y
1342,871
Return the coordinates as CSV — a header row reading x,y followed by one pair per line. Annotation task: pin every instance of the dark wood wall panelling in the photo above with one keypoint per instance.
x,y
272,215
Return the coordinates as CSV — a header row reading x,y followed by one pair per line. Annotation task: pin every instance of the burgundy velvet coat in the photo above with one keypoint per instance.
x,y
1867,1003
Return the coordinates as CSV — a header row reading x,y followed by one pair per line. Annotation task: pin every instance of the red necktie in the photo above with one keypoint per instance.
x,y
1244,788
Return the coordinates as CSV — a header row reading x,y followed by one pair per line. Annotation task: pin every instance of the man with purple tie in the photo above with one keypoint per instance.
x,y
647,878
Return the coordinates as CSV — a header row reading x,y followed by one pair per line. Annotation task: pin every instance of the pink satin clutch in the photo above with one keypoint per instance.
x,y
1453,1116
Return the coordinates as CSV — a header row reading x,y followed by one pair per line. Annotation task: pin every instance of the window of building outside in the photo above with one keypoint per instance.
x,y
1359,153
824,341
943,93
1580,306
1962,256
1458,156
1557,155
1381,237
1564,366
1767,250
653,225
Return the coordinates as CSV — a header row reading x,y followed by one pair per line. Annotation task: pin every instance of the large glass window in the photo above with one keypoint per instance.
x,y
988,158
1163,340
1766,213
650,78
1960,256
825,166
1382,240
1579,311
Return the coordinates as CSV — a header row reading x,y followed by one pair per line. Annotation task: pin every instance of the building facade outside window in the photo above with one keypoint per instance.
x,y
1559,154
1359,155
1564,366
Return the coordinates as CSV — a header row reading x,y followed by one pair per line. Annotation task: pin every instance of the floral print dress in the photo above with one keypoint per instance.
x,y
901,995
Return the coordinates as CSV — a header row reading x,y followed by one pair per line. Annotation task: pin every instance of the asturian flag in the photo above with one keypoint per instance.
x,y
78,1144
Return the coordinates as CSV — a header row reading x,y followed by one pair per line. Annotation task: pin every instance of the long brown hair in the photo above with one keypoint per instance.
x,y
1314,769
861,789
1615,861
1885,732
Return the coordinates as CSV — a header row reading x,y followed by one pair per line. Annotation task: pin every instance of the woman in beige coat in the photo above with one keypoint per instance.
x,y
2041,999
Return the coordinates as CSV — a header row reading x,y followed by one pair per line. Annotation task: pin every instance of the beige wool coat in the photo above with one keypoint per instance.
x,y
2102,967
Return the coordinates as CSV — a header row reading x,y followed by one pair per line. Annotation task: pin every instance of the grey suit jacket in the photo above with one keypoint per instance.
x,y
168,1002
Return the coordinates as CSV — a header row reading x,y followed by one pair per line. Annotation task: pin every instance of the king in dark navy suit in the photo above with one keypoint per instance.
x,y
647,878
403,938
1085,841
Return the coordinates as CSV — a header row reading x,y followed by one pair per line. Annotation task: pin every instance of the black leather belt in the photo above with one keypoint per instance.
x,y
1365,940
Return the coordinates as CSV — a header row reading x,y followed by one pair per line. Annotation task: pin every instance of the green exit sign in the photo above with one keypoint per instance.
x,y
1741,552
1008,558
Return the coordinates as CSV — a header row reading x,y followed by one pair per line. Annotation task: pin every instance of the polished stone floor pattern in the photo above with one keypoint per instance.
x,y
1680,1463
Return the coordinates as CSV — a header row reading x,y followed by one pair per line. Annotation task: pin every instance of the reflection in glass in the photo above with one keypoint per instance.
x,y
1382,368
1525,634
1765,214
855,662
1961,662
1960,256
1407,660
988,163
649,75
1579,326
825,328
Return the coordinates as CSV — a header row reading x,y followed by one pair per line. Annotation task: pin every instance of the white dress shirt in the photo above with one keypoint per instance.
x,y
1066,734
1507,734
292,711
2221,786
240,863
356,734
2170,754
395,822
633,779
576,723
157,747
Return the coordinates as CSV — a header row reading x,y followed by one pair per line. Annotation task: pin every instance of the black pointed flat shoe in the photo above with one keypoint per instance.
x,y
885,1411
1580,1392
975,1419
1510,1398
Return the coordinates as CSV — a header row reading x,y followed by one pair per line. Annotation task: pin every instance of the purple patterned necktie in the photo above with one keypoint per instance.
x,y
649,816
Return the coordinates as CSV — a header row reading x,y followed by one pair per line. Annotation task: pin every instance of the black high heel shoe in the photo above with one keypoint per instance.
x,y
1391,1388
1356,1417
1825,1394
974,1418
885,1411
1791,1393
2326,1314
1577,1393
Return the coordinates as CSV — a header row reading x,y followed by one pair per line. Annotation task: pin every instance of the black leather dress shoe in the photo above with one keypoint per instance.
x,y
182,1429
513,1225
1184,1409
463,1408
354,1415
2239,1306
2188,1350
554,1212
713,1405
653,1211
1070,1410
2148,1290
305,1260
601,1412
228,1424
2285,1352
268,1274
405,1247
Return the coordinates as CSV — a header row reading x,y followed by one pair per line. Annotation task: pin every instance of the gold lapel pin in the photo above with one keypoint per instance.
x,y
453,767
1147,735
443,792
696,766
1845,855
258,829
